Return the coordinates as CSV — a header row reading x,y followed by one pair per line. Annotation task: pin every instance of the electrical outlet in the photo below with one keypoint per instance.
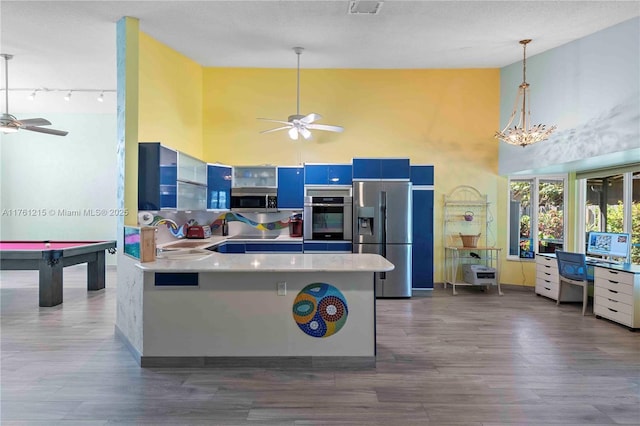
x,y
282,289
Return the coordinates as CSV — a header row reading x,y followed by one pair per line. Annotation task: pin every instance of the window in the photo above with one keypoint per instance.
x,y
612,204
536,215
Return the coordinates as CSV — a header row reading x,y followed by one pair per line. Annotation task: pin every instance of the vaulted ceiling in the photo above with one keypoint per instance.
x,y
71,44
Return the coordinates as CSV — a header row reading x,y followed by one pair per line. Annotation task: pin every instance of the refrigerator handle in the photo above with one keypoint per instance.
x,y
383,226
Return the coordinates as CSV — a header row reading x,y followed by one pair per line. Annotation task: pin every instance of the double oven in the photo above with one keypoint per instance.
x,y
327,214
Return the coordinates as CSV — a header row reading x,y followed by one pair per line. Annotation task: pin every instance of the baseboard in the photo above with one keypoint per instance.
x,y
134,352
285,362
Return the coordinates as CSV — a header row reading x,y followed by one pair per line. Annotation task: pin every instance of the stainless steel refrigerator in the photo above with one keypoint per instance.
x,y
382,225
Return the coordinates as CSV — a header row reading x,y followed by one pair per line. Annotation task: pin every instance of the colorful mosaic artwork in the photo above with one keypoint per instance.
x,y
320,310
151,219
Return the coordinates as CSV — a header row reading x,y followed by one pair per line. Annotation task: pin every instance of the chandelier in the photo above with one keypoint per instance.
x,y
523,133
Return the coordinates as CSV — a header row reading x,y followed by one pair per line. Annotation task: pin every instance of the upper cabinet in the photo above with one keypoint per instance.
x,y
219,186
255,176
381,168
191,169
327,174
291,188
157,177
422,175
169,179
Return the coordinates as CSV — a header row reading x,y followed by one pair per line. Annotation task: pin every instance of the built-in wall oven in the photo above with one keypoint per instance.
x,y
327,215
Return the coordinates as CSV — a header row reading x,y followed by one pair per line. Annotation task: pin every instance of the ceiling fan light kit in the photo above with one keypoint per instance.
x,y
9,123
299,124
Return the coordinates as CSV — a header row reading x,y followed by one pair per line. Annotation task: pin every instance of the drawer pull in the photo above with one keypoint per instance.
x,y
612,272
613,291
612,310
614,282
547,288
546,273
611,300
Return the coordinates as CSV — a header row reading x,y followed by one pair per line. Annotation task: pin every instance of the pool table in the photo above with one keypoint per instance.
x,y
49,257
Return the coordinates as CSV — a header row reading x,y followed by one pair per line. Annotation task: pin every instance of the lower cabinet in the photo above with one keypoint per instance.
x,y
328,247
547,281
617,296
257,247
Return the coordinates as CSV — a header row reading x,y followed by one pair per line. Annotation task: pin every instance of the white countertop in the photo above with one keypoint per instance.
x,y
205,261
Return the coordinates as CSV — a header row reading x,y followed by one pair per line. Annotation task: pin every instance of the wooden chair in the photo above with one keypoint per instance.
x,y
572,269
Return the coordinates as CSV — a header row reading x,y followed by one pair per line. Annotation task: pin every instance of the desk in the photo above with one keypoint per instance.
x,y
491,258
49,257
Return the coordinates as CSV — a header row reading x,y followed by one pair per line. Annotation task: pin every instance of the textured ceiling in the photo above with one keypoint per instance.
x,y
72,44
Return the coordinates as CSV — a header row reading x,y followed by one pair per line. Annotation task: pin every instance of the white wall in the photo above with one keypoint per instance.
x,y
43,175
590,88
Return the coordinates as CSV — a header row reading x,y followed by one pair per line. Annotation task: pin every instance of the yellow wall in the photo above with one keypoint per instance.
x,y
442,117
170,109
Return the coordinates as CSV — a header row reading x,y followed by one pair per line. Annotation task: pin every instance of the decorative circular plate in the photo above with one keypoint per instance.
x,y
320,310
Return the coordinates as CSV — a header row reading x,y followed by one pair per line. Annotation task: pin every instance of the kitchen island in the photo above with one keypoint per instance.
x,y
195,308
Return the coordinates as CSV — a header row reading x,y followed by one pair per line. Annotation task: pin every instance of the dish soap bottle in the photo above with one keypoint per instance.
x,y
225,228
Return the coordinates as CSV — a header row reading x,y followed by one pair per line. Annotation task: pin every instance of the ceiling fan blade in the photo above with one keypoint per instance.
x,y
325,127
47,131
310,118
305,133
274,121
276,129
293,133
34,122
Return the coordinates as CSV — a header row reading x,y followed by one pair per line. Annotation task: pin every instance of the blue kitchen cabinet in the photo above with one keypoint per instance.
x,y
422,175
259,247
327,174
423,202
339,174
328,247
291,187
381,168
231,248
219,186
157,176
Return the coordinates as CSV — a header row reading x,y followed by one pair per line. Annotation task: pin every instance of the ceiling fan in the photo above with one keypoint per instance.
x,y
10,124
298,124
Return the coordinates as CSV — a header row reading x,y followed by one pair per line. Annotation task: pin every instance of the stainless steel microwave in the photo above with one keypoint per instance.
x,y
254,199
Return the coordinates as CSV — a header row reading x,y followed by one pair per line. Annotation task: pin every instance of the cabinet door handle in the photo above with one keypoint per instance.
x,y
612,310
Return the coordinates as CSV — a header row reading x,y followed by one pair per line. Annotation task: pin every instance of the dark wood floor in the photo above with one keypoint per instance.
x,y
471,359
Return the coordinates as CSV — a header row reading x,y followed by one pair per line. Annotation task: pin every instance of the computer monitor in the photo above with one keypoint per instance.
x,y
609,244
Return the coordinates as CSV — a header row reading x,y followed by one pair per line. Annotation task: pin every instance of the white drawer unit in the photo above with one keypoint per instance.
x,y
547,281
617,296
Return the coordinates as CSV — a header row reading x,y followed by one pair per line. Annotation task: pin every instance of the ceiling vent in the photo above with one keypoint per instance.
x,y
364,7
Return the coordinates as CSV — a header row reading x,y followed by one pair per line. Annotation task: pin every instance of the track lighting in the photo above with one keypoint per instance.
x,y
32,93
